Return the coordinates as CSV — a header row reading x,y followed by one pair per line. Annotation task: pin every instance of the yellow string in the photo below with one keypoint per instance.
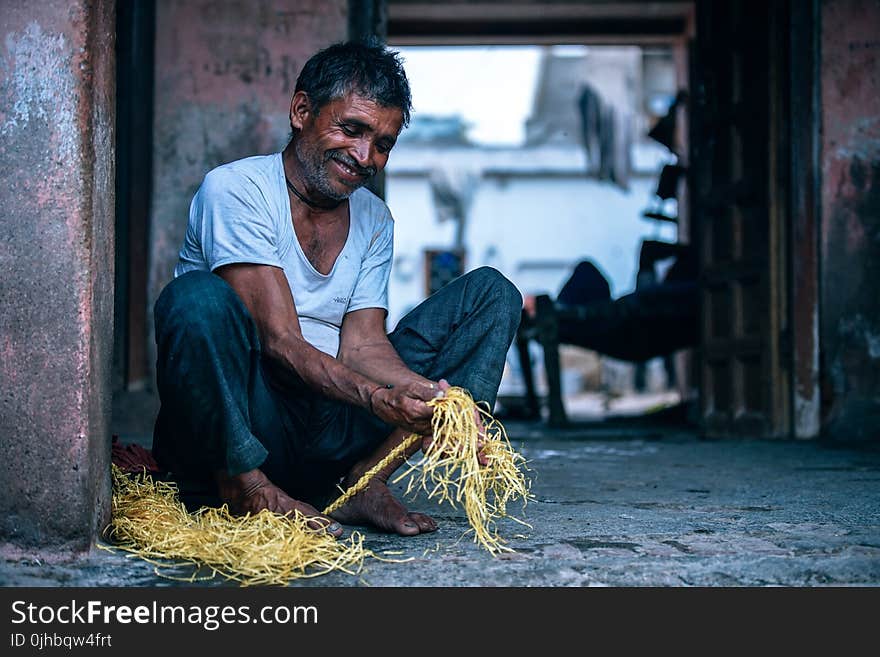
x,y
451,469
149,521
365,479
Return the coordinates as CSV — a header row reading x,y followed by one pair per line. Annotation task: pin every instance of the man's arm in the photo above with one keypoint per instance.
x,y
266,294
364,346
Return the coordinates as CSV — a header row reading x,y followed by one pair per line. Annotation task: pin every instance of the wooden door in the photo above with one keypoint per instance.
x,y
738,214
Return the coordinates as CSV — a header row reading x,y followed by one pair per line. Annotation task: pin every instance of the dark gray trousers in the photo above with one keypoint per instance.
x,y
222,408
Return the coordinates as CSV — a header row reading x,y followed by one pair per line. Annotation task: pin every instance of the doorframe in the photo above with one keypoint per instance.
x,y
805,214
643,23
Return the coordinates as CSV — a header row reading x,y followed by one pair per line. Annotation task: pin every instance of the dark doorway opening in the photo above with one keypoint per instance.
x,y
134,404
135,36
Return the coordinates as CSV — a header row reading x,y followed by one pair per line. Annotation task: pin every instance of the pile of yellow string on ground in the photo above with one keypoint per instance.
x,y
149,521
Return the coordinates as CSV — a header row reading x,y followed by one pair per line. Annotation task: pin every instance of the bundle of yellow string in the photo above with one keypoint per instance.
x,y
149,521
450,471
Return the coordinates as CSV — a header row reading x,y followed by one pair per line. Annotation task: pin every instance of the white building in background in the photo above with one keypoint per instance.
x,y
533,211
534,215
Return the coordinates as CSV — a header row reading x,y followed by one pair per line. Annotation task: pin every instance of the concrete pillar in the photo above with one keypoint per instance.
x,y
850,240
225,73
56,256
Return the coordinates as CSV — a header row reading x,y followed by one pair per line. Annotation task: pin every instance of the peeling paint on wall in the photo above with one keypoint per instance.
x,y
38,84
806,399
860,329
850,325
39,75
56,191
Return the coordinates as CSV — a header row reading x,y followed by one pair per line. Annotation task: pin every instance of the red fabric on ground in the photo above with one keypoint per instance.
x,y
132,458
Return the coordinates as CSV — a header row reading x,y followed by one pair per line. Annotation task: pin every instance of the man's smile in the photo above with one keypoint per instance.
x,y
348,171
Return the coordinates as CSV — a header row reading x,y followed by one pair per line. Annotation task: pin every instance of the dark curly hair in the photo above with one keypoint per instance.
x,y
366,68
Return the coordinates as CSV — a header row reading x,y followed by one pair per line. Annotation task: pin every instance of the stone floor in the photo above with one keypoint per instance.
x,y
619,503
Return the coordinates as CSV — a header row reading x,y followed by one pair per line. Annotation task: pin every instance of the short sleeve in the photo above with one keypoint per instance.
x,y
371,289
236,222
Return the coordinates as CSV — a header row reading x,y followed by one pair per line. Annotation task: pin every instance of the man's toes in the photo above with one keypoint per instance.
x,y
334,529
405,525
425,523
330,526
318,521
406,528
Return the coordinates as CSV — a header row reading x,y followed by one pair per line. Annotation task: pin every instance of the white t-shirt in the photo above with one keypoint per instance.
x,y
241,214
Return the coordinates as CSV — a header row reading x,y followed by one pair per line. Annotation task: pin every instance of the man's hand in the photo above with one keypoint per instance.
x,y
406,406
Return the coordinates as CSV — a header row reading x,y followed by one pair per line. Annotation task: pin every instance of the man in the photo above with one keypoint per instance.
x,y
277,380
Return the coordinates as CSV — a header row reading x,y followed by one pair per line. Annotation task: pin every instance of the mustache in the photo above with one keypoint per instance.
x,y
349,162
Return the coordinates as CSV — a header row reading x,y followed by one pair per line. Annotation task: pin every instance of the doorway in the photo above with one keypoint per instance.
x,y
535,206
133,403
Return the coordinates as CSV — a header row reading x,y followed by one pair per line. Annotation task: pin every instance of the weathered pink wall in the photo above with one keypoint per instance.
x,y
225,72
850,250
57,111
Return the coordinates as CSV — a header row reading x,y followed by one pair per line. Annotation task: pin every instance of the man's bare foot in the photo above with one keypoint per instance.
x,y
376,506
251,492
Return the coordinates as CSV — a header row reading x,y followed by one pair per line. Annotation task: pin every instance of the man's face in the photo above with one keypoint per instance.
x,y
346,143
